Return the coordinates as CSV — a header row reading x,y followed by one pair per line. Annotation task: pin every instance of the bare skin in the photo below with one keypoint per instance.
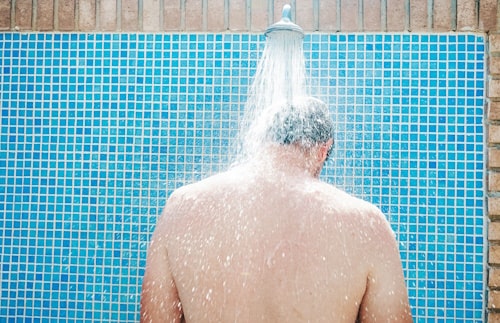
x,y
269,242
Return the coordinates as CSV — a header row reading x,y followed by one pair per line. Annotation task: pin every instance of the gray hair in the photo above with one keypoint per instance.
x,y
304,121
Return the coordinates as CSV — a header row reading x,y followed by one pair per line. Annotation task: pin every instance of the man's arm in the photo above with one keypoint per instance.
x,y
386,298
159,299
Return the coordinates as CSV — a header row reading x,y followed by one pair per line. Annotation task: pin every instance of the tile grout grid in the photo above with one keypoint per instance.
x,y
98,129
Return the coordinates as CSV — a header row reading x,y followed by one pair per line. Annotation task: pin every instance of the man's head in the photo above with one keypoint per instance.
x,y
304,122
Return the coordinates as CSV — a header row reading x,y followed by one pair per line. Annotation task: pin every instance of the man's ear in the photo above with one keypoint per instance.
x,y
323,150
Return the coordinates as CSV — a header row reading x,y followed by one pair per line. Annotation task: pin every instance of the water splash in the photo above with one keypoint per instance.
x,y
280,76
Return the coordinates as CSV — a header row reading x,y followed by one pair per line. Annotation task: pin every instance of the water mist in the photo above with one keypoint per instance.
x,y
280,76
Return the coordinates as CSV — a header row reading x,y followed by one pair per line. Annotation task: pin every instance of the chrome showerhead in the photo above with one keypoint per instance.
x,y
285,23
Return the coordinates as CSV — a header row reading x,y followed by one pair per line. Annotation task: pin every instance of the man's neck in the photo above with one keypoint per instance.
x,y
290,160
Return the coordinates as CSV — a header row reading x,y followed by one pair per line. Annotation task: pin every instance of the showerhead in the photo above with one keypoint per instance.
x,y
285,23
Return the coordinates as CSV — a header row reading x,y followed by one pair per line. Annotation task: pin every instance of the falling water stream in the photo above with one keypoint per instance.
x,y
280,76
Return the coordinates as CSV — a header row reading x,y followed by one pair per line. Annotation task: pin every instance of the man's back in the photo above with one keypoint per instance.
x,y
269,242
255,245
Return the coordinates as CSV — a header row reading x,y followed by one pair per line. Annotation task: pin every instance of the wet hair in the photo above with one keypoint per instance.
x,y
304,121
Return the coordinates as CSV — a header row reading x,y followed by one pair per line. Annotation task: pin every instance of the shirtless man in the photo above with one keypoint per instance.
x,y
267,241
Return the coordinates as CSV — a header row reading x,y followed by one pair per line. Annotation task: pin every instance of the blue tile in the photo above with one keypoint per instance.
x,y
389,92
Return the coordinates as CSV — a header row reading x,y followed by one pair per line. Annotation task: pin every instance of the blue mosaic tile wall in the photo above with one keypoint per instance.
x,y
98,129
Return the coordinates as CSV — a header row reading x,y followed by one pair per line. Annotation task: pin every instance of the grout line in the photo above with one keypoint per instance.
x,y
430,14
55,18
183,14
339,14
270,12
34,11
316,15
140,15
453,15
13,14
497,25
204,14
118,15
249,14
97,14
76,26
227,4
361,21
477,9
383,14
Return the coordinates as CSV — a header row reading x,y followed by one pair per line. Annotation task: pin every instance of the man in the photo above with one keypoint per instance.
x,y
267,241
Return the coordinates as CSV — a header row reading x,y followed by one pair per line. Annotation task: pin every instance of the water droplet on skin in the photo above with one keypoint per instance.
x,y
269,262
209,295
227,262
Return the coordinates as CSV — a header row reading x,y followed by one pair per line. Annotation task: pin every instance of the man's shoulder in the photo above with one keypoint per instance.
x,y
208,186
337,195
357,209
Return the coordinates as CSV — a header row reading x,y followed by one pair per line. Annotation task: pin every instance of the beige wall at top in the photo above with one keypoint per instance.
x,y
248,15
